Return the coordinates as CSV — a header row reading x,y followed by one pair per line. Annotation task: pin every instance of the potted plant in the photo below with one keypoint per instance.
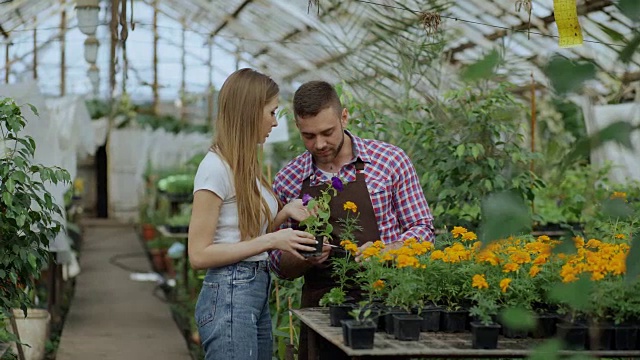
x,y
318,222
336,299
178,224
484,329
28,215
359,332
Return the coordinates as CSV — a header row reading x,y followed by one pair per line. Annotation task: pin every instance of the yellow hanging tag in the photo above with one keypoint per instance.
x,y
566,14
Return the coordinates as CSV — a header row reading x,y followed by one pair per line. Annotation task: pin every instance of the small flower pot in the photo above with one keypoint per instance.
x,y
359,335
573,335
626,337
316,252
388,319
453,321
430,319
601,337
484,336
338,313
545,326
407,327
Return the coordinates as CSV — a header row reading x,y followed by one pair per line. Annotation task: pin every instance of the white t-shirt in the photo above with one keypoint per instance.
x,y
214,174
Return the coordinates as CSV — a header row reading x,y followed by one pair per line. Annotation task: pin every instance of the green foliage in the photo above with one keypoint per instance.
x,y
568,76
482,69
518,318
177,184
473,146
27,210
335,296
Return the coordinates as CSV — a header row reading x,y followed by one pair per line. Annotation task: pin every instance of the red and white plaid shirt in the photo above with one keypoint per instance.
x,y
398,201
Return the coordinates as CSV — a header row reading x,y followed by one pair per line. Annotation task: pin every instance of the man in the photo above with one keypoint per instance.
x,y
380,178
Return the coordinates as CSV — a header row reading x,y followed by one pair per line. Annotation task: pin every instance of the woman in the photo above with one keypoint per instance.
x,y
233,211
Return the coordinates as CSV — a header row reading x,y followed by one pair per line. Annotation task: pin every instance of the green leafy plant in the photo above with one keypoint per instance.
x,y
27,210
335,296
318,222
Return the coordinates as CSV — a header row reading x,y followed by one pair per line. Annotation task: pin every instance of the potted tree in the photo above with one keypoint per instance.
x,y
27,217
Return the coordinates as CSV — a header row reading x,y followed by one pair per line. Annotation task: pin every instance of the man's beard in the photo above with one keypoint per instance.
x,y
331,156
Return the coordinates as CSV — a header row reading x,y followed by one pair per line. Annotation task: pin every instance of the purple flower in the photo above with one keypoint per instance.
x,y
305,199
337,183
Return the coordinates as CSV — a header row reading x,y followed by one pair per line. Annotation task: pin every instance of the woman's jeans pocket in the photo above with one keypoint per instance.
x,y
206,305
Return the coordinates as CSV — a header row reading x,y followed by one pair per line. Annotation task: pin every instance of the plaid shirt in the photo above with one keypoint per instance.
x,y
398,201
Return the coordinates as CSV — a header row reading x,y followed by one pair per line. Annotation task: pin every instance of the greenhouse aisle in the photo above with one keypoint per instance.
x,y
112,316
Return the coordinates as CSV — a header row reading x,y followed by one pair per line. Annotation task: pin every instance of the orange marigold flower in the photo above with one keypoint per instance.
x,y
437,255
504,284
578,241
479,282
543,238
350,205
457,231
593,243
535,270
378,285
351,248
619,195
621,236
469,236
510,267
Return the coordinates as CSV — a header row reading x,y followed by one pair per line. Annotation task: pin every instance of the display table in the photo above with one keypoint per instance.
x,y
430,345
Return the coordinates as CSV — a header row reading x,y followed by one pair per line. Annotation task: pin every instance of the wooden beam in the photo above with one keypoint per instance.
x,y
156,37
63,61
231,17
630,77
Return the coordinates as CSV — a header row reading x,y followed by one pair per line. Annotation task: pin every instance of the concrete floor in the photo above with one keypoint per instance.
x,y
111,316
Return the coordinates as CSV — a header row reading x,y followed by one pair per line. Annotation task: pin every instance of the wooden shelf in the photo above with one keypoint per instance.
x,y
433,345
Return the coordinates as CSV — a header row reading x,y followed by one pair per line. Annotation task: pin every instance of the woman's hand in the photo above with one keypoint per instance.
x,y
293,241
296,210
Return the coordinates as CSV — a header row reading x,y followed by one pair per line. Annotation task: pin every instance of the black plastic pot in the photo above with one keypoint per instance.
x,y
359,335
545,326
626,337
316,252
484,336
431,319
573,335
338,313
407,327
388,319
601,337
453,321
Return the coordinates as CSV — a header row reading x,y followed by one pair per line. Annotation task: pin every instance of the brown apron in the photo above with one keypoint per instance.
x,y
318,283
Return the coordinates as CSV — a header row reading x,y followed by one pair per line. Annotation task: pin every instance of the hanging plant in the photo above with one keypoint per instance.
x,y
27,210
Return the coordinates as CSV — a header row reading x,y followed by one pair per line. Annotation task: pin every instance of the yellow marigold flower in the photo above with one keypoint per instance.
x,y
543,238
437,255
387,257
578,241
510,267
621,236
406,261
371,251
351,248
378,285
457,231
520,257
350,205
479,282
504,284
569,278
593,243
469,236
619,195
535,270
378,244
597,275
345,242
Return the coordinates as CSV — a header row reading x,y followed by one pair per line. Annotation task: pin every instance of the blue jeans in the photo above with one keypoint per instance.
x,y
232,312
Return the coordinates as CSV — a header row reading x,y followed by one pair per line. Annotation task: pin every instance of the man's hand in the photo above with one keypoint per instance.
x,y
320,261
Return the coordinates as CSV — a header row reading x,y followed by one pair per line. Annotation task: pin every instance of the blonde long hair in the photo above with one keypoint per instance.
x,y
241,102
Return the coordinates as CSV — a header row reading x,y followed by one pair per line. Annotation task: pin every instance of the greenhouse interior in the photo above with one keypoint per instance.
x,y
468,179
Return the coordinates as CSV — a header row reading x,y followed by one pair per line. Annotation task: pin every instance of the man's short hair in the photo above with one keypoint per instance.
x,y
313,97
